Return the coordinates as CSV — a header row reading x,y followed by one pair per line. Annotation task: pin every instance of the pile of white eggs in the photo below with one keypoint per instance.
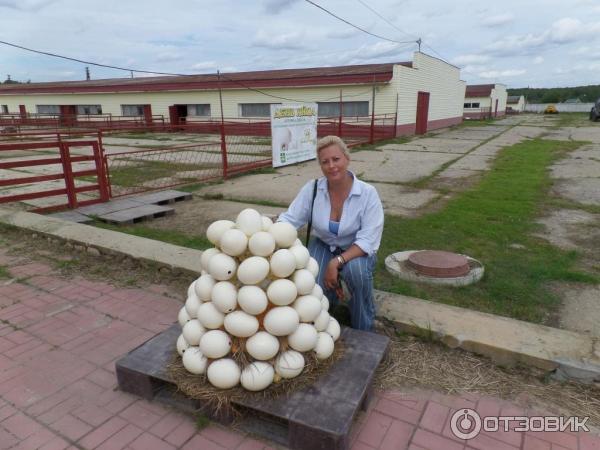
x,y
257,288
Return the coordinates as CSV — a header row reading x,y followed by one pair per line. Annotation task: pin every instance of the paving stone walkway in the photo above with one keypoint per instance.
x,y
60,338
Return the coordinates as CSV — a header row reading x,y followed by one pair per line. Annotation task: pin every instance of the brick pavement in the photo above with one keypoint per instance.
x,y
59,339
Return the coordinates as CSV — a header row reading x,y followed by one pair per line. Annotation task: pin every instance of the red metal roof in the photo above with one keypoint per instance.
x,y
356,74
479,90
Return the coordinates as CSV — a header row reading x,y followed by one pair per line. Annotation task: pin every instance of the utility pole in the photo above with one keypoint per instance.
x,y
419,41
87,73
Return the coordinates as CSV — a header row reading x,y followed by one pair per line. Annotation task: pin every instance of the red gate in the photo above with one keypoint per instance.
x,y
422,112
66,161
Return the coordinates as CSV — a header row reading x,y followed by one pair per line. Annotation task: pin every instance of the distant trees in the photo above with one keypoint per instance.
x,y
558,95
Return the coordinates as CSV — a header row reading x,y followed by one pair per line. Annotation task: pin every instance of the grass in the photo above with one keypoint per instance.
x,y
144,171
483,222
4,272
572,120
172,237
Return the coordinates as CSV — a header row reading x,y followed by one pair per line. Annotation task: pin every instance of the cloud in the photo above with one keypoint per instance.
x,y
169,57
205,65
281,41
462,60
538,60
25,5
498,20
276,6
502,73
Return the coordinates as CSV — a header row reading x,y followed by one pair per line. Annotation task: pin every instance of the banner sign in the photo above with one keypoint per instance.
x,y
293,133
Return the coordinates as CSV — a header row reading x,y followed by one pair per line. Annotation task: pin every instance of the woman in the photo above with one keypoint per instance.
x,y
347,223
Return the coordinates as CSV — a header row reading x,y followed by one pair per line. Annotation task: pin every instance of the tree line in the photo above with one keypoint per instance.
x,y
586,94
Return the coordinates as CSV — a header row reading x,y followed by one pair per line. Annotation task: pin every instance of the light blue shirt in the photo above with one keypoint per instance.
x,y
362,215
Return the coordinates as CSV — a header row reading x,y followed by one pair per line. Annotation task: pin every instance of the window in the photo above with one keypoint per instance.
x,y
132,110
255,109
474,105
89,109
48,109
467,105
349,109
4,109
198,110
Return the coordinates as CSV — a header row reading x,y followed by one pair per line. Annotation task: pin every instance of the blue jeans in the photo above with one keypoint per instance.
x,y
358,276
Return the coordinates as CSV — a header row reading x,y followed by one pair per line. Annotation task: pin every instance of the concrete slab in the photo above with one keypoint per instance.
x,y
401,167
439,145
581,190
586,134
488,149
454,173
402,201
136,214
163,197
71,216
473,162
109,207
576,168
580,310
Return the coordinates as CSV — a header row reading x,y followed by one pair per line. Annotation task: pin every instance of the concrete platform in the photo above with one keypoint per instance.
x,y
136,214
163,197
72,216
317,417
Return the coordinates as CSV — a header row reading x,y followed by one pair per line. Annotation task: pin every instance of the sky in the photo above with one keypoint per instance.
x,y
520,43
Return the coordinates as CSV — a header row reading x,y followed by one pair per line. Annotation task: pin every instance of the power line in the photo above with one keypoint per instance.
x,y
356,26
384,18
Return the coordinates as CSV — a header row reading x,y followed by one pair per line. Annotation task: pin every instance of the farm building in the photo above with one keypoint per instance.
x,y
407,97
485,101
515,104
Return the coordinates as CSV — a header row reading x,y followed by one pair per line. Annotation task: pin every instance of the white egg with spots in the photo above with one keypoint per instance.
x,y
333,329
289,364
284,233
282,292
304,281
194,361
241,324
224,373
209,316
301,254
324,347
266,223
304,338
203,287
253,270
216,230
324,303
193,331
307,307
192,304
281,321
261,244
224,296
262,346
215,344
252,300
183,317
206,255
222,267
313,266
182,345
257,376
283,263
317,291
234,242
249,221
322,321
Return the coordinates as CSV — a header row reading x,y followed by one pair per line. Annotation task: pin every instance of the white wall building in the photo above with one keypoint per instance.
x,y
515,103
485,101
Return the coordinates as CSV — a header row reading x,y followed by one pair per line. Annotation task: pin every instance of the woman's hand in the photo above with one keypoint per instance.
x,y
331,274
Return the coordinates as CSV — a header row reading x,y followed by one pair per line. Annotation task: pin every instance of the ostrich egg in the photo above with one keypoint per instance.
x,y
317,291
241,324
261,244
191,288
284,233
289,364
322,320
257,376
182,345
249,221
313,266
223,373
253,270
224,296
304,281
283,263
324,303
262,346
266,223
252,299
216,230
203,287
281,321
222,267
194,361
206,255
234,242
282,292
304,338
301,254
192,304
307,307
333,329
215,344
183,317
209,316
324,347
193,331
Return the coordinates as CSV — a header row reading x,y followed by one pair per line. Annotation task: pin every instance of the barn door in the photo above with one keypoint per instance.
x,y
422,112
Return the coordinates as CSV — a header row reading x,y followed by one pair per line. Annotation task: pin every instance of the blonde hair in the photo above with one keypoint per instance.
x,y
328,141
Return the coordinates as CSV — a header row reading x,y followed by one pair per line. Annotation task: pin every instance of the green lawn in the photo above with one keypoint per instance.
x,y
143,171
484,222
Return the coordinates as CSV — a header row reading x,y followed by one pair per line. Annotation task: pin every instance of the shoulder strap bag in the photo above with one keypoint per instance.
x,y
312,204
